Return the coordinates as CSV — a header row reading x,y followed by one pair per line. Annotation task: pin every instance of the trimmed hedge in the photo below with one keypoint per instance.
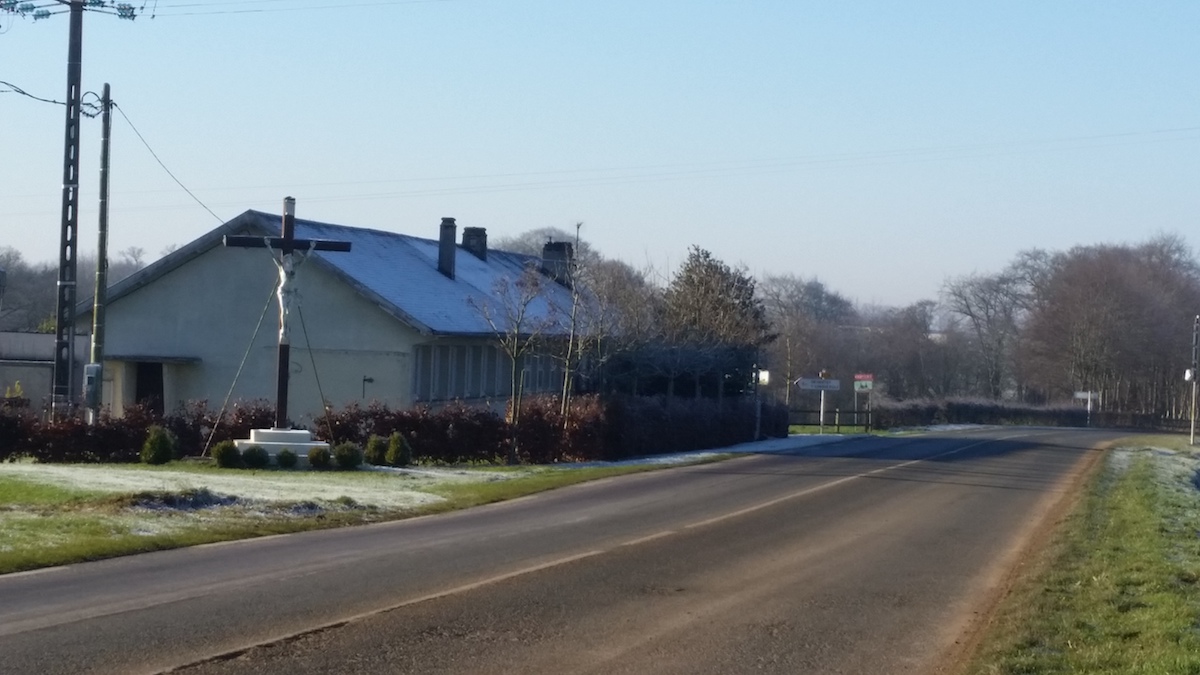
x,y
597,429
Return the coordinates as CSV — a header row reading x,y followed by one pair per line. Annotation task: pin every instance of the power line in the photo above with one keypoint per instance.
x,y
164,166
14,89
208,9
86,108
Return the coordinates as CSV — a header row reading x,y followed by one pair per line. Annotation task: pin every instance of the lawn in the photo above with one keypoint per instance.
x,y
59,514
1118,590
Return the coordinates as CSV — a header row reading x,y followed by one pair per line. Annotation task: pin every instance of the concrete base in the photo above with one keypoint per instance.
x,y
299,441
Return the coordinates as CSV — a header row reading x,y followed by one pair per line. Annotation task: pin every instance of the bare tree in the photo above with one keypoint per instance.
x,y
804,314
990,305
521,315
531,242
620,315
134,256
30,293
1117,320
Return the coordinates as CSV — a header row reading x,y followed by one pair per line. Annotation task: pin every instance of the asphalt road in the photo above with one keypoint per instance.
x,y
866,556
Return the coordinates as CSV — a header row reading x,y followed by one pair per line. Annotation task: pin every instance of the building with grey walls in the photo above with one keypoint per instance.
x,y
398,319
27,365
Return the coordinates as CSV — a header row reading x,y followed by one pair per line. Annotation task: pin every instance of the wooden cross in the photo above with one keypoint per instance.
x,y
292,252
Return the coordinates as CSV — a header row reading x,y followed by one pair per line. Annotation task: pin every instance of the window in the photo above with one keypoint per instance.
x,y
441,369
458,373
423,373
446,372
475,372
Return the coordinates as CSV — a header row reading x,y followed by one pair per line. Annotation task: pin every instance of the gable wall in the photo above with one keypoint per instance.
x,y
206,311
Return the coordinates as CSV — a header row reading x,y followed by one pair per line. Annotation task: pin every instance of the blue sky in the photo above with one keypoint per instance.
x,y
879,146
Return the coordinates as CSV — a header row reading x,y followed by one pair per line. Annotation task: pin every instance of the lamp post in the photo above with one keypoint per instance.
x,y
1192,375
761,378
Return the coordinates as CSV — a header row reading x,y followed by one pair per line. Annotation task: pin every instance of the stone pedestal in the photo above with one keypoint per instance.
x,y
299,441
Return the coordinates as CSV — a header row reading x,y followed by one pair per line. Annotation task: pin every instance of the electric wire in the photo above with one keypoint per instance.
x,y
14,89
313,360
238,374
269,10
164,166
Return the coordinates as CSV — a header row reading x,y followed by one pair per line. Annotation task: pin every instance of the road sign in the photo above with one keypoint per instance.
x,y
863,385
1087,395
818,384
864,377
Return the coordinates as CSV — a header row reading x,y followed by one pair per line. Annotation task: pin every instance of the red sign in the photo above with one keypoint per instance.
x,y
864,377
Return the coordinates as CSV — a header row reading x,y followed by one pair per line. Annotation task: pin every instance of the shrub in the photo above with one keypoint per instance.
x,y
348,455
320,458
159,447
255,457
399,451
285,458
376,451
227,455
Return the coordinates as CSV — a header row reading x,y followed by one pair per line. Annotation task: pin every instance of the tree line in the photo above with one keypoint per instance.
x,y
1114,319
30,294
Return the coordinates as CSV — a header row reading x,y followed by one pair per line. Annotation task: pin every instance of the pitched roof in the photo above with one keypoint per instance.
x,y
398,272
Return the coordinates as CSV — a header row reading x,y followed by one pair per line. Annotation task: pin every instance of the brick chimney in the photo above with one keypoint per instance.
x,y
475,240
557,259
446,247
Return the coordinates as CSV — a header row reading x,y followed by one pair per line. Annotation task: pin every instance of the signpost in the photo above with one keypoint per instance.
x,y
1089,395
863,382
821,384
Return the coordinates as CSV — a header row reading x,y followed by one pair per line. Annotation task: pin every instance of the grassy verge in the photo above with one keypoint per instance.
x,y
42,525
1117,591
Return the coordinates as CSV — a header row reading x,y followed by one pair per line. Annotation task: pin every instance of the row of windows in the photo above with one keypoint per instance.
x,y
447,372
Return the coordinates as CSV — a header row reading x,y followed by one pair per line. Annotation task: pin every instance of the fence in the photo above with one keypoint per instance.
x,y
834,420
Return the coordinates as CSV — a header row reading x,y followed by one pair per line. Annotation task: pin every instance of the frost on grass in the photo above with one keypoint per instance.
x,y
388,490
1176,479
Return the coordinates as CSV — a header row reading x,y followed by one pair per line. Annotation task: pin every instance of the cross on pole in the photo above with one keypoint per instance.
x,y
292,252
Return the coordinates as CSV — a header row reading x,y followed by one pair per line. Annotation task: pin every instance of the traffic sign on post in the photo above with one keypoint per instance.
x,y
818,384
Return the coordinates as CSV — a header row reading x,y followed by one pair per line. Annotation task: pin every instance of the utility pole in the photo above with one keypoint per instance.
x,y
94,371
64,324
64,318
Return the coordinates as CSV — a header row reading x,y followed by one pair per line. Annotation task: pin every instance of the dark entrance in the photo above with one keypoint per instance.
x,y
148,389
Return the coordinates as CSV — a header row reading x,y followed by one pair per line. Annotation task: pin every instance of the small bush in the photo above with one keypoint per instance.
x,y
399,451
255,457
348,455
159,447
285,458
320,458
226,455
376,451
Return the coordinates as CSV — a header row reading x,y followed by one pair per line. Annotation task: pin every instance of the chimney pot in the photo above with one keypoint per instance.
x,y
447,247
557,257
474,239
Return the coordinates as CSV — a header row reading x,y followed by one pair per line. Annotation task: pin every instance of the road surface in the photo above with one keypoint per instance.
x,y
871,555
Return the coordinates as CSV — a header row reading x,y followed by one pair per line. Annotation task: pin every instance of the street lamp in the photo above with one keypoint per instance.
x,y
1190,375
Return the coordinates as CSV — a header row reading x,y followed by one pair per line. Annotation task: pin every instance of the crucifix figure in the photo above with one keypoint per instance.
x,y
292,252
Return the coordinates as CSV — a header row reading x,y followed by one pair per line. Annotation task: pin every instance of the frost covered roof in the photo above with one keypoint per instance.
x,y
397,271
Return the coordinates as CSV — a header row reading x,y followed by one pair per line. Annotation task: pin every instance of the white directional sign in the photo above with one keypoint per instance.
x,y
818,384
